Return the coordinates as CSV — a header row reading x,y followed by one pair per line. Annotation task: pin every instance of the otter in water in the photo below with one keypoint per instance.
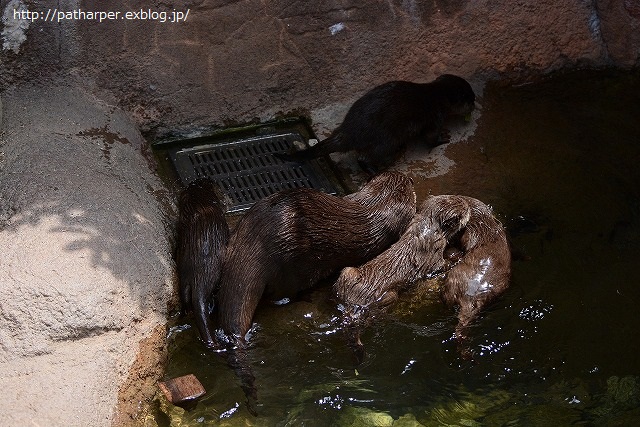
x,y
202,235
291,240
380,124
484,270
419,254
451,234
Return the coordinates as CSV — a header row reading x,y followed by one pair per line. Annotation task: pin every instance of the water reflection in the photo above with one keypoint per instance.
x,y
536,311
490,348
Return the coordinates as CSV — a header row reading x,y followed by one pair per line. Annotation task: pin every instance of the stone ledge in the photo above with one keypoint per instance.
x,y
87,270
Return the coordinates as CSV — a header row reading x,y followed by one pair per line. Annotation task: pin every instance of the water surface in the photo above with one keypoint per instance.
x,y
559,162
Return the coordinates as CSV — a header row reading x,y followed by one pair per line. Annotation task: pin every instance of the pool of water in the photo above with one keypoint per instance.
x,y
559,161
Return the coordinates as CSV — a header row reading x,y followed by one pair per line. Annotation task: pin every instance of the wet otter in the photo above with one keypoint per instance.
x,y
290,240
380,124
450,231
202,235
420,253
484,271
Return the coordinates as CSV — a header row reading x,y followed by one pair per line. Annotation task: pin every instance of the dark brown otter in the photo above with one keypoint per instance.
x,y
419,254
289,241
484,271
380,124
202,236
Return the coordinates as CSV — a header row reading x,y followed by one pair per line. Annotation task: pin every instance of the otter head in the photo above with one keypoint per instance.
x,y
202,192
347,285
392,195
459,94
449,213
384,188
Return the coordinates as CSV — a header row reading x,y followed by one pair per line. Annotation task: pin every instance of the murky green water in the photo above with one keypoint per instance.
x,y
560,164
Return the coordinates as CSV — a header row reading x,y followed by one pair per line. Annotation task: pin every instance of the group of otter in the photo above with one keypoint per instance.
x,y
375,239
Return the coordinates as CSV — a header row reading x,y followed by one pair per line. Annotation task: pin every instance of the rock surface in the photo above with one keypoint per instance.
x,y
620,26
235,61
86,259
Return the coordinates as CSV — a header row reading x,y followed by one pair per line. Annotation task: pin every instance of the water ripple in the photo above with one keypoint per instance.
x,y
536,311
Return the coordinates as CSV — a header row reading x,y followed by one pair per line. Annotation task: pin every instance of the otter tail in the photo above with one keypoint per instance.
x,y
329,145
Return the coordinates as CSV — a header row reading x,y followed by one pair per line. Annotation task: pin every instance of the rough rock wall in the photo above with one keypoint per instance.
x,y
620,23
233,61
85,266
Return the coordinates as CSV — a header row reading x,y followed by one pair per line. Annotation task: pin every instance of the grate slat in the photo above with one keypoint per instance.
x,y
246,170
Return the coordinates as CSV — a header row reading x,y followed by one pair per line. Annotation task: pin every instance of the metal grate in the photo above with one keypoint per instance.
x,y
246,170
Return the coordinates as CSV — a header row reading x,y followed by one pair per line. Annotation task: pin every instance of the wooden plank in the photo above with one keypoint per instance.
x,y
182,389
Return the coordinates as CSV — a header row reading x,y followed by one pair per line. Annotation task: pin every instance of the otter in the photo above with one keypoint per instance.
x,y
451,234
380,124
202,236
289,241
421,252
484,270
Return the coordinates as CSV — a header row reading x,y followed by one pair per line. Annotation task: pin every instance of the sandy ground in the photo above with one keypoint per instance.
x,y
85,268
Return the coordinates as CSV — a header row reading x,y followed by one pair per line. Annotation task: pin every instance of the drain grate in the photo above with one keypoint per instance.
x,y
246,170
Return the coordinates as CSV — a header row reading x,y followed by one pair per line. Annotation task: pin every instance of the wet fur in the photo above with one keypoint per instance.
x,y
417,255
202,236
289,241
380,124
420,253
455,233
484,271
